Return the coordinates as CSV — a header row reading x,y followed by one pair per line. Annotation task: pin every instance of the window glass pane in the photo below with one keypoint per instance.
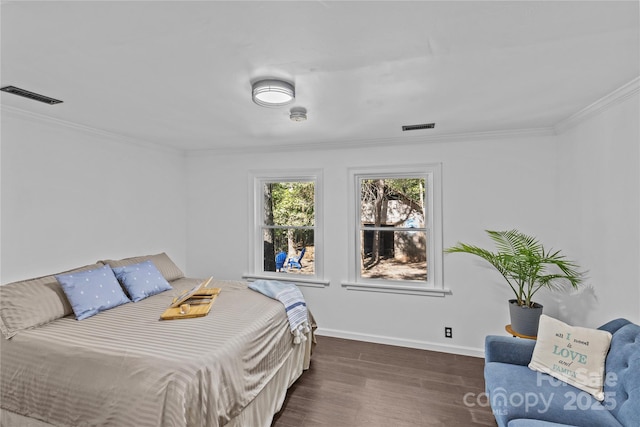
x,y
393,255
386,205
289,203
283,250
392,202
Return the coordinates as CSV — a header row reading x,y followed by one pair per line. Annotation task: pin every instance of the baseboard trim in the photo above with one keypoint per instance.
x,y
401,342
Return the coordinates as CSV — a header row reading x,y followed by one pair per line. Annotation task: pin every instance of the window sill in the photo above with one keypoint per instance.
x,y
396,289
298,280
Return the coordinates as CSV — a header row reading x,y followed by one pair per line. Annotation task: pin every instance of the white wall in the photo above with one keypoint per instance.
x,y
577,191
599,204
487,184
71,197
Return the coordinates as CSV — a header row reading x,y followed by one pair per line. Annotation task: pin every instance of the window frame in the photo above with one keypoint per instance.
x,y
432,174
257,181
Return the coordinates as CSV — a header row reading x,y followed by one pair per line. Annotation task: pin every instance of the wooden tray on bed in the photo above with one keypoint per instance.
x,y
200,304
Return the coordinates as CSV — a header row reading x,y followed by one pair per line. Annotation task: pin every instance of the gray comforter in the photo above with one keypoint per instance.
x,y
125,367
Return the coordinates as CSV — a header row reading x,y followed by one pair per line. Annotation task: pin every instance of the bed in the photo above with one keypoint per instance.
x,y
125,367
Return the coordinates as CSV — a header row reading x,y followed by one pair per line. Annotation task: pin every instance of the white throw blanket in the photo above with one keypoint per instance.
x,y
294,304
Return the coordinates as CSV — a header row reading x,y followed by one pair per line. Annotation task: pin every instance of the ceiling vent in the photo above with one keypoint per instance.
x,y
417,127
31,95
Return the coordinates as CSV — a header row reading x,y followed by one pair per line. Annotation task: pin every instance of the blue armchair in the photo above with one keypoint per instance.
x,y
520,397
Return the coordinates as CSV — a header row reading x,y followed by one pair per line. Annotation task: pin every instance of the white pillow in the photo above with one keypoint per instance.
x,y
572,354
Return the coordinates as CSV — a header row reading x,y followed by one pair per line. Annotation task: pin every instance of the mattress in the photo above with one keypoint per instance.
x,y
125,367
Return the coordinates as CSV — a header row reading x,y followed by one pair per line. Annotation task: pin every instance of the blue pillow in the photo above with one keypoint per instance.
x,y
92,291
141,280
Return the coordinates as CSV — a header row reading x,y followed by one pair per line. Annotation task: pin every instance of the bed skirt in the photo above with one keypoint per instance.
x,y
258,413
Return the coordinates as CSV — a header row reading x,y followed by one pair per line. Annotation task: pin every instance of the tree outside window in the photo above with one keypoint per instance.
x,y
288,226
393,228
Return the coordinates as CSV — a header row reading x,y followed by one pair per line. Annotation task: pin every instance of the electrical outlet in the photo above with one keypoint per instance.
x,y
448,332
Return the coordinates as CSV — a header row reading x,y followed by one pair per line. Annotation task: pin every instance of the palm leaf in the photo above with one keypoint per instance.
x,y
525,264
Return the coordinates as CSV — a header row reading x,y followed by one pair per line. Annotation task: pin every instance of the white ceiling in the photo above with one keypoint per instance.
x,y
179,73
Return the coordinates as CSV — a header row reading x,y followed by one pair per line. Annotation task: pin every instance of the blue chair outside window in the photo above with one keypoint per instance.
x,y
281,258
296,261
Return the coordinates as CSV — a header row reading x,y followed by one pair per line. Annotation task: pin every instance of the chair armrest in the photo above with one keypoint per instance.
x,y
525,422
614,325
516,351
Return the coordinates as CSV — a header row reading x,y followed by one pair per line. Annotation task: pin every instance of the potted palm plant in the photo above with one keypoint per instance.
x,y
527,267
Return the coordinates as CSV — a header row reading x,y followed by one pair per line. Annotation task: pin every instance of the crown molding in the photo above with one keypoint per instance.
x,y
377,142
320,145
607,101
604,103
115,137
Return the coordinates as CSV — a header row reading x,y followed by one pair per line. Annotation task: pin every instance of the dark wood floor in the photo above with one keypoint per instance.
x,y
358,384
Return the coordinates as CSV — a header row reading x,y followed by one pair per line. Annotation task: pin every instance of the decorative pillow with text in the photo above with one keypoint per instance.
x,y
572,354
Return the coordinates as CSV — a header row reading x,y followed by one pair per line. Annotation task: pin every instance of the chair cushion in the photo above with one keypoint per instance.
x,y
515,392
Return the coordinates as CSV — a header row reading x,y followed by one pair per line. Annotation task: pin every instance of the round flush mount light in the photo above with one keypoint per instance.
x,y
272,93
298,114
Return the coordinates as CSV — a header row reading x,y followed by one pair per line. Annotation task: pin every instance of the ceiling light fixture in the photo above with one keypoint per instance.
x,y
272,93
298,114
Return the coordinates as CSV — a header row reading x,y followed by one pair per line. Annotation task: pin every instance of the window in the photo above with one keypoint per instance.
x,y
396,242
287,241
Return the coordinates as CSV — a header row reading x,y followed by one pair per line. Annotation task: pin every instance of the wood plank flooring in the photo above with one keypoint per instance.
x,y
358,384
